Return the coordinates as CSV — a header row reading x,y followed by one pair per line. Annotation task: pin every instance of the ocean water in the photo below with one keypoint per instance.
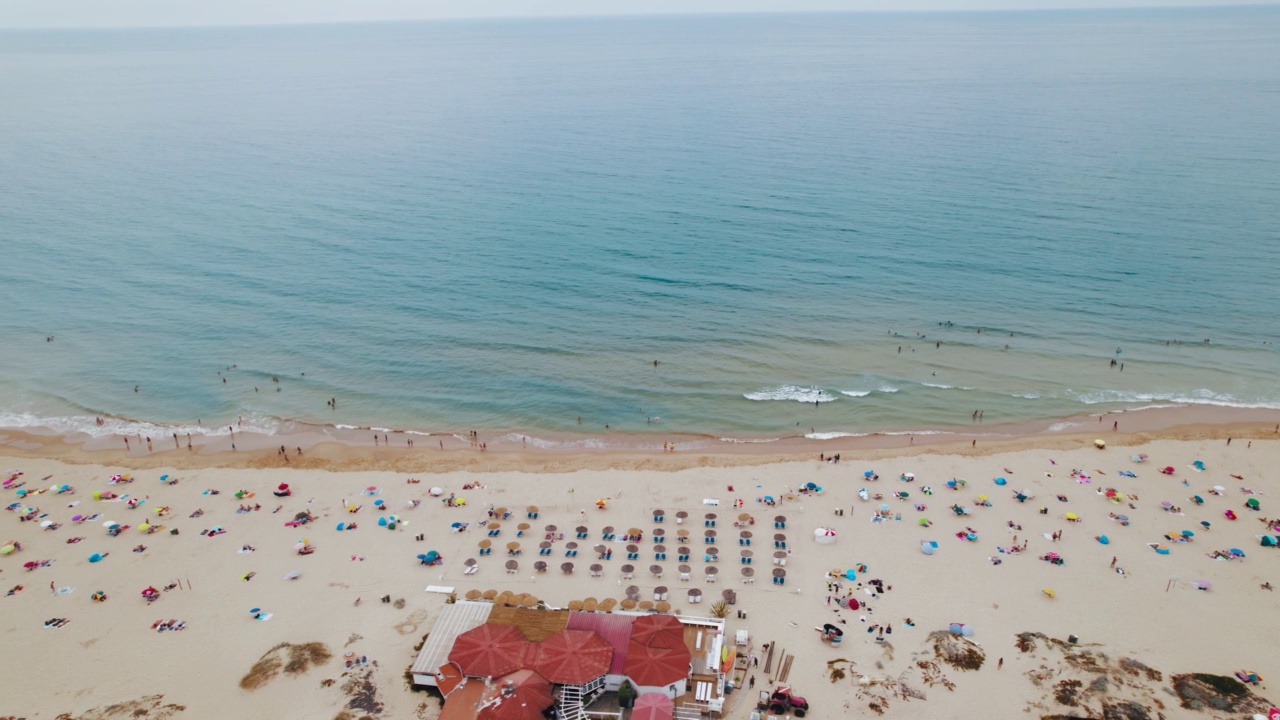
x,y
500,225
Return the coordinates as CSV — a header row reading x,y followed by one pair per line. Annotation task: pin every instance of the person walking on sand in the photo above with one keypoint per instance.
x,y
1113,562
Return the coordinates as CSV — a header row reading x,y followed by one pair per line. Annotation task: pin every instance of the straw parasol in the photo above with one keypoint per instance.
x,y
662,606
513,546
506,597
709,516
469,562
745,534
607,604
633,548
684,568
590,604
527,600
743,517
567,568
571,546
633,531
633,591
746,553
709,533
659,548
780,518
627,604
494,525
779,573
779,537
748,571
710,570
484,544
597,567
472,594
513,565
713,551
500,511
540,566
531,509
490,594
681,515
608,530
575,605
522,527
580,529
627,569
550,528
645,605
656,570
545,544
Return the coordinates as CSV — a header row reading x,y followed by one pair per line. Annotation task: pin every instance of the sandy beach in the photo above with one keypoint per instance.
x,y
1122,599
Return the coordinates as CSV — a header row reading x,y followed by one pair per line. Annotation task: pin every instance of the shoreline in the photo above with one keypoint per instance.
x,y
344,449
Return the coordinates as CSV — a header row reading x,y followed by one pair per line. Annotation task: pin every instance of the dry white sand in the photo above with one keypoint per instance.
x,y
108,654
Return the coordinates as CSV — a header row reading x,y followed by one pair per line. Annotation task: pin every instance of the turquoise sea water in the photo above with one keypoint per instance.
x,y
501,224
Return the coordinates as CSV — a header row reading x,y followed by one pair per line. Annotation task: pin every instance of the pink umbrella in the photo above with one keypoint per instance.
x,y
653,706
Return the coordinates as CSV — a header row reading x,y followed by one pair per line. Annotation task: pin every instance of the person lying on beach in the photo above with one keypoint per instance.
x,y
56,622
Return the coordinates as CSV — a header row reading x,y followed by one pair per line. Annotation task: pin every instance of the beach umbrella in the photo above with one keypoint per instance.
x,y
46,523
869,473
1100,443
489,650
1198,464
1201,584
1072,516
1104,540
292,575
1237,552
7,548
928,547
657,706
1049,592
1205,523
1001,481
572,657
436,491
924,522
656,666
1188,534
382,522
96,557
1252,503
379,502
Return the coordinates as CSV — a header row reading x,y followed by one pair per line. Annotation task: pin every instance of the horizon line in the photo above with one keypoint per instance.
x,y
624,15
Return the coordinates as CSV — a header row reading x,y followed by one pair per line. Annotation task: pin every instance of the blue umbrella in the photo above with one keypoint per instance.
x,y
163,478
850,575
342,526
869,473
1001,481
1205,523
379,502
382,522
1104,539
96,557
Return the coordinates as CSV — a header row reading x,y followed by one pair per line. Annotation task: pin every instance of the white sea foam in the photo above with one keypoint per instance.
x,y
1195,397
1060,426
546,444
917,432
946,387
748,440
855,393
792,392
832,435
87,425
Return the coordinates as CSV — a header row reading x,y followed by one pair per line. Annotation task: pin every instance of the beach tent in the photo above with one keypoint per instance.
x,y
928,547
1100,444
824,536
960,629
1268,541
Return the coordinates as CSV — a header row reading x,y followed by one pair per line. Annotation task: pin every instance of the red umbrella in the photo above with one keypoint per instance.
x,y
489,650
656,666
659,630
521,695
653,706
572,657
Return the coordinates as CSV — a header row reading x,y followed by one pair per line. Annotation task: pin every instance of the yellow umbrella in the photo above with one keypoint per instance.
x,y
1049,592
982,497
1072,516
144,526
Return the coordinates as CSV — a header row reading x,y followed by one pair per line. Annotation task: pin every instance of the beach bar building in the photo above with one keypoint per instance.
x,y
494,662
